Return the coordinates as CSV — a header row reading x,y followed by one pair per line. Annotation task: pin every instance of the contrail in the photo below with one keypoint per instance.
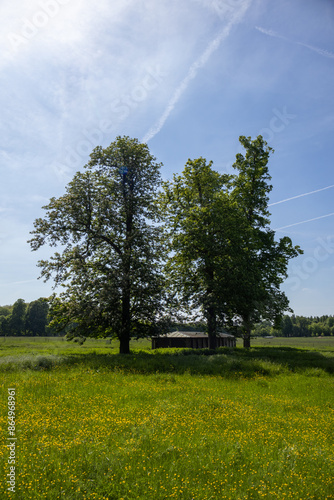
x,y
304,221
193,70
271,33
319,51
17,282
300,195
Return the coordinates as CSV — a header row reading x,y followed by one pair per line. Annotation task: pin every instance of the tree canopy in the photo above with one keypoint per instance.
x,y
202,226
127,248
110,263
261,265
225,260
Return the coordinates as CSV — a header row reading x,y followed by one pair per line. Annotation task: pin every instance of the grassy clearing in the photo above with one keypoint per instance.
x,y
170,424
59,346
319,343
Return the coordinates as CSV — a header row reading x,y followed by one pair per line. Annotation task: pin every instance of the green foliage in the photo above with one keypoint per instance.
x,y
262,329
25,318
286,326
36,319
107,227
16,322
222,261
251,187
262,266
4,325
5,310
300,326
297,326
225,261
202,225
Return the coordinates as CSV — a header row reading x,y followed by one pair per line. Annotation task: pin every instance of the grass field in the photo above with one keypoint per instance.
x,y
92,424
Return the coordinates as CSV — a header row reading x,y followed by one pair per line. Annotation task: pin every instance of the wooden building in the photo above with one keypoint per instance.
x,y
192,340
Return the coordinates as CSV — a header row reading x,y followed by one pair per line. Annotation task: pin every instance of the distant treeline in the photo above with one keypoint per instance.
x,y
298,326
32,319
23,318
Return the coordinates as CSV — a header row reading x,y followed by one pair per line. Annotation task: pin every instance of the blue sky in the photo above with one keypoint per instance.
x,y
187,77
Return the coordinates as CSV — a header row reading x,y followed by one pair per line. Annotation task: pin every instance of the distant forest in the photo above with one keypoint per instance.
x,y
298,326
32,319
25,319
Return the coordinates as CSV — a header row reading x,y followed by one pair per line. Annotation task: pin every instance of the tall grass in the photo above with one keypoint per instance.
x,y
172,424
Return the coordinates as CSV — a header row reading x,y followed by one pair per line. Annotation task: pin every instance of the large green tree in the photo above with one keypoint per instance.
x,y
225,261
202,224
110,260
260,267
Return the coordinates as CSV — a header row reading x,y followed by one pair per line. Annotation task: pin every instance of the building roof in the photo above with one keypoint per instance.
x,y
197,335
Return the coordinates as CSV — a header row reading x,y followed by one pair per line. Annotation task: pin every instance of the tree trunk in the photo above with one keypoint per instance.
x,y
124,346
247,338
246,341
124,339
212,327
210,308
212,342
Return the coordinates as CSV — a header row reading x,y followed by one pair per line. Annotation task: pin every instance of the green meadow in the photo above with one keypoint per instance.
x,y
183,424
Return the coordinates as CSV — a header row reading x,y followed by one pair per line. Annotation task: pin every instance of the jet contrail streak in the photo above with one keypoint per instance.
x,y
321,52
193,70
303,222
300,195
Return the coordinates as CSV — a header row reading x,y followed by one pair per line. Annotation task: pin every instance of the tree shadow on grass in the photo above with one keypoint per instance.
x,y
293,358
231,363
224,362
